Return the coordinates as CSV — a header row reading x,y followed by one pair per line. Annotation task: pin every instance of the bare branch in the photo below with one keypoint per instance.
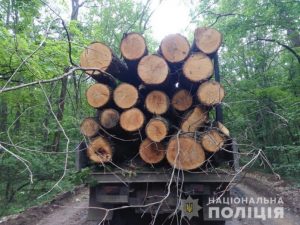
x,y
283,45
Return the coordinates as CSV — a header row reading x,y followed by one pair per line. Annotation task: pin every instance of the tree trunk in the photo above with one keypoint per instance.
x,y
64,84
212,141
157,102
3,115
153,70
132,119
60,113
18,120
125,96
157,129
198,67
100,59
194,119
89,127
100,150
151,152
174,48
207,40
109,118
182,100
133,47
98,95
185,153
210,93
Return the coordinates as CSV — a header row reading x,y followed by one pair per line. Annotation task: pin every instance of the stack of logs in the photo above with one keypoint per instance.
x,y
154,105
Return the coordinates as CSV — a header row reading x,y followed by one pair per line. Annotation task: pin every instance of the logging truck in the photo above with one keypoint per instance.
x,y
157,145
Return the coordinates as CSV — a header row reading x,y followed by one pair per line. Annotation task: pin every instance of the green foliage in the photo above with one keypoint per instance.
x,y
261,77
27,125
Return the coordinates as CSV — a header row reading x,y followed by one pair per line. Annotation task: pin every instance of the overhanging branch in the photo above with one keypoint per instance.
x,y
283,45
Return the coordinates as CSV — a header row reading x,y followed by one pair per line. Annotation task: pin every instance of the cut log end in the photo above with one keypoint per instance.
x,y
157,102
182,100
89,127
175,48
223,129
157,129
125,96
109,118
98,95
210,93
153,70
198,67
151,152
185,153
133,46
100,150
207,40
212,141
96,56
193,120
132,119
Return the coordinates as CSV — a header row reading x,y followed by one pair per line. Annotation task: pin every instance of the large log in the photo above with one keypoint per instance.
x,y
157,102
100,59
182,100
223,129
157,129
153,70
132,119
133,47
109,118
174,48
194,119
100,150
185,153
98,95
212,141
125,96
207,40
198,67
89,127
151,152
210,93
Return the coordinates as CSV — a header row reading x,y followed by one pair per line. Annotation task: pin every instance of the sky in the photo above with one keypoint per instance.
x,y
170,16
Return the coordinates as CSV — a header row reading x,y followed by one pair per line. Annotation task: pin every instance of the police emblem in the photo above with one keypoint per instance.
x,y
189,207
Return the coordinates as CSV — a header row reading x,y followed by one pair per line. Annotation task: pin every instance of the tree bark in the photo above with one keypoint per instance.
x,y
60,113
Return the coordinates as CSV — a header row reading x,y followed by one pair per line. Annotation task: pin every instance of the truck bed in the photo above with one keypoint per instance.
x,y
161,175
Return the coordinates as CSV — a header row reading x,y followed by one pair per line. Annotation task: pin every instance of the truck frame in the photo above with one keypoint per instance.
x,y
156,192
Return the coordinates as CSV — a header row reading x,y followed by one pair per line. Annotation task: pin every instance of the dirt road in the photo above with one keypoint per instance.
x,y
72,211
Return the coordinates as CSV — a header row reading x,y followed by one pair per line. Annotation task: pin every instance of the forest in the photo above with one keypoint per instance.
x,y
42,87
